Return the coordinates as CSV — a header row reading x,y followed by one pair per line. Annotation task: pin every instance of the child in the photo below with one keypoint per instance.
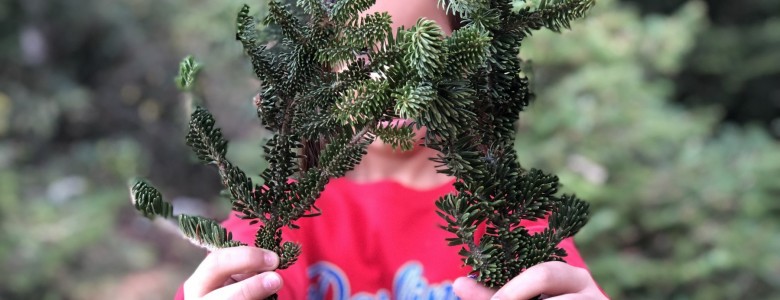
x,y
377,237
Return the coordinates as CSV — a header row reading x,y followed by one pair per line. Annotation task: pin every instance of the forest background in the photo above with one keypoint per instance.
x,y
665,115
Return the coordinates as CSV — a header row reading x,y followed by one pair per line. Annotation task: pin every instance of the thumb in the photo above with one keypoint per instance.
x,y
469,289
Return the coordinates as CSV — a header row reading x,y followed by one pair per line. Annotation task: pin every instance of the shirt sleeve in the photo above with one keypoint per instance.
x,y
179,293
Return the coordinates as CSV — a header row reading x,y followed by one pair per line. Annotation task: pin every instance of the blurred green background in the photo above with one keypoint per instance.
x,y
664,114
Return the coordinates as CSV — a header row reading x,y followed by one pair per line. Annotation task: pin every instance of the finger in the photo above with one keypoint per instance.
x,y
550,278
237,277
589,293
571,297
469,289
257,287
218,266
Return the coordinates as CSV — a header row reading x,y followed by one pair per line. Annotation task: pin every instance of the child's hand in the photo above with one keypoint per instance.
x,y
555,279
232,273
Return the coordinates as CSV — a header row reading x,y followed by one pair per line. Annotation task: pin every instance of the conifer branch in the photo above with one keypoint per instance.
x,y
345,10
148,200
206,233
188,69
467,89
202,232
558,14
425,43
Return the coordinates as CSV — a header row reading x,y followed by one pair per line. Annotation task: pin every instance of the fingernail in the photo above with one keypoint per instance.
x,y
271,259
272,281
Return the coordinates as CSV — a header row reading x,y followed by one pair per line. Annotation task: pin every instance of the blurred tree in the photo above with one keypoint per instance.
x,y
227,77
44,238
81,83
103,77
86,92
679,211
736,62
682,212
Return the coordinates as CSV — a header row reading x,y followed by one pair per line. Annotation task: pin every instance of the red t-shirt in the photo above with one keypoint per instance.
x,y
377,240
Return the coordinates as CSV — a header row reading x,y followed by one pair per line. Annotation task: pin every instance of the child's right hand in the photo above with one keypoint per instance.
x,y
241,273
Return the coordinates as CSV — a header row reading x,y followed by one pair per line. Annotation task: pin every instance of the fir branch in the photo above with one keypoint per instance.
x,y
535,194
466,89
340,156
210,147
399,137
558,14
246,32
485,19
450,113
425,43
367,32
413,98
188,69
463,7
206,233
239,187
317,9
345,10
280,15
467,50
202,232
206,140
483,158
148,200
366,102
553,14
569,217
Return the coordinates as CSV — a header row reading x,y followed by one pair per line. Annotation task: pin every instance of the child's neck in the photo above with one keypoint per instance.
x,y
413,168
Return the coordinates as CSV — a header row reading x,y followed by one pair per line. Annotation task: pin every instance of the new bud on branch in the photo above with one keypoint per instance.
x,y
466,89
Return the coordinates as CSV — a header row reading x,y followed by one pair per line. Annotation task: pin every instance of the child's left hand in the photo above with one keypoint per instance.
x,y
558,280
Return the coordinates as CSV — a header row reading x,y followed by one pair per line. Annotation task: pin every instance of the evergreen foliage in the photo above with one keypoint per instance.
x,y
734,64
467,89
691,208
84,97
682,209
